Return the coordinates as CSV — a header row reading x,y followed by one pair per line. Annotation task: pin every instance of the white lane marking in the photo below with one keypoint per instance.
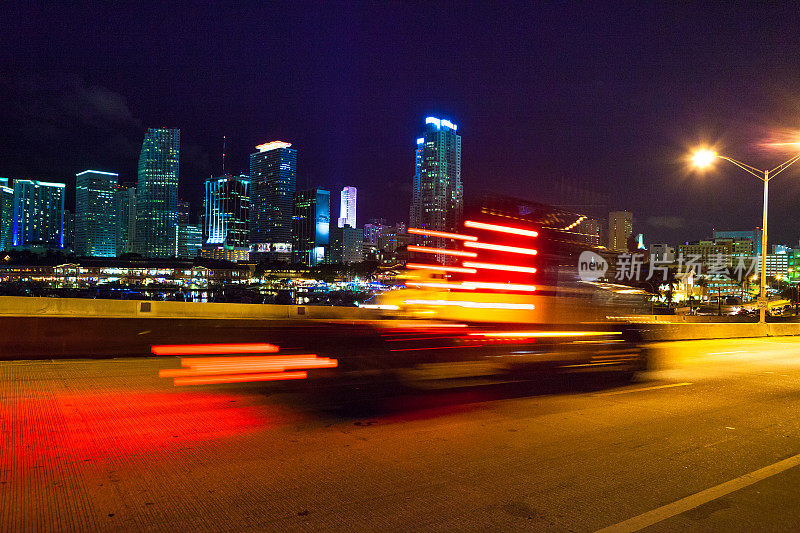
x,y
696,500
612,393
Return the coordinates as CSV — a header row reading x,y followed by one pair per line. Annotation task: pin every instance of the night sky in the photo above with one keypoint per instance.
x,y
604,97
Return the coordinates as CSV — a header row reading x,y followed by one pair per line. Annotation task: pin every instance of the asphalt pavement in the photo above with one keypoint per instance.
x,y
708,440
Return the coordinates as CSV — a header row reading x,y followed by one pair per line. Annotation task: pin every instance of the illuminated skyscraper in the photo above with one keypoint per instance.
x,y
347,207
69,229
126,219
6,214
345,245
620,227
311,228
38,214
372,230
226,211
96,213
157,201
273,173
437,195
188,240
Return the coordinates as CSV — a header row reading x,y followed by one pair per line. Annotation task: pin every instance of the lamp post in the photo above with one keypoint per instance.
x,y
703,158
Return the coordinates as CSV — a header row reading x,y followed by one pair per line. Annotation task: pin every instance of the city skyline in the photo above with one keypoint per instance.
x,y
617,121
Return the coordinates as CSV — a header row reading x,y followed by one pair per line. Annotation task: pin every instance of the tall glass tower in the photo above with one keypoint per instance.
x,y
126,219
437,201
347,207
311,228
96,213
620,227
38,214
6,214
226,211
273,172
157,201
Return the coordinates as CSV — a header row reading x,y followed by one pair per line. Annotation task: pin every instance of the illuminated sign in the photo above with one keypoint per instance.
x,y
278,247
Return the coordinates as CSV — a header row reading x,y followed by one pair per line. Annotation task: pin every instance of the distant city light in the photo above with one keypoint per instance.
x,y
272,146
97,172
435,121
439,123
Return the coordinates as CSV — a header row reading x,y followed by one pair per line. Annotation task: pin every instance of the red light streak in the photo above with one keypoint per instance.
x,y
472,285
441,268
210,370
438,348
472,305
194,361
240,378
197,349
459,236
235,366
501,229
532,334
442,285
399,330
493,266
442,251
427,338
500,248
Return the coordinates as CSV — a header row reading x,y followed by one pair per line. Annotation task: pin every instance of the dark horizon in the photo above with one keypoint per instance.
x,y
597,97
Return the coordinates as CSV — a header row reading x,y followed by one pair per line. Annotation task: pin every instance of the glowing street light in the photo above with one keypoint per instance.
x,y
703,158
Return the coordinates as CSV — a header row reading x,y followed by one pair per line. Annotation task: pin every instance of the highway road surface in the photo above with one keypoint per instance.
x,y
709,440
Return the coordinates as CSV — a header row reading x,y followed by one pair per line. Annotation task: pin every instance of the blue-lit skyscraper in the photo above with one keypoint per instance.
x,y
96,213
38,214
6,214
273,173
226,211
311,226
157,190
437,195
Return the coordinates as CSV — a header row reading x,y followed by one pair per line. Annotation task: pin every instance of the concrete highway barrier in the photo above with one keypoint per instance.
x,y
19,306
73,327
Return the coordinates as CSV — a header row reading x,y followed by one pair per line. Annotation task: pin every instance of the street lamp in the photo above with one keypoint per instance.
x,y
703,158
